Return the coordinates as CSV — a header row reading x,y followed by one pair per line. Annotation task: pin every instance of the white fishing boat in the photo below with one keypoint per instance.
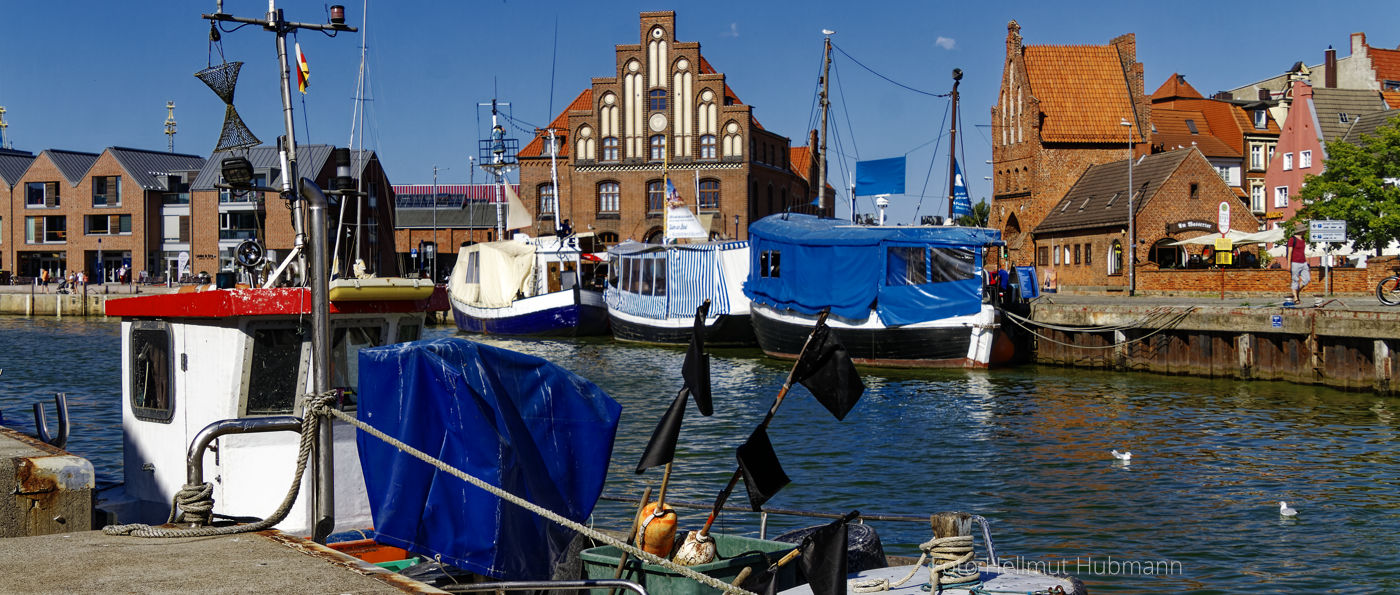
x,y
549,286
653,291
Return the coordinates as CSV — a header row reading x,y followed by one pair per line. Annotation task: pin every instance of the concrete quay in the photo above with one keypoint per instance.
x,y
1347,343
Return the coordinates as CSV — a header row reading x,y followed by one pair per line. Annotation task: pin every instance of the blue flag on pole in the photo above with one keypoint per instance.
x,y
881,176
962,205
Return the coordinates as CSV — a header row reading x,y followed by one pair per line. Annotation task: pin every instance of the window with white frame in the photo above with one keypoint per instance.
x,y
1287,161
1304,159
658,147
1281,197
546,199
1271,153
1261,119
1056,251
1256,157
1256,197
609,197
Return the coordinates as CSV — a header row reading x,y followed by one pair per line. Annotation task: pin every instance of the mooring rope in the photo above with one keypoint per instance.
x,y
1022,322
195,502
532,507
943,555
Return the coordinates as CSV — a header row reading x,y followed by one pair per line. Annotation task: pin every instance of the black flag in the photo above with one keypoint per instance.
x,y
661,449
826,370
823,559
696,369
763,474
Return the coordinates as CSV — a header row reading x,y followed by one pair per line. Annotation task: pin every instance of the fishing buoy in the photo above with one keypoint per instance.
x,y
698,548
656,533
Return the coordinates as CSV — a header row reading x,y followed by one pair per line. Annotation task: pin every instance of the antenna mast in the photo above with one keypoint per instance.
x,y
169,124
953,142
4,144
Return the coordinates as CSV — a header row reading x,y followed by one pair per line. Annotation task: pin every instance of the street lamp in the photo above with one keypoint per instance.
x,y
1132,215
736,226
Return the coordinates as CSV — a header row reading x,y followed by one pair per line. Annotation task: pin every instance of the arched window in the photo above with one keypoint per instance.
x,y
653,237
709,194
656,196
607,237
546,202
707,146
658,100
610,148
658,147
609,198
1115,258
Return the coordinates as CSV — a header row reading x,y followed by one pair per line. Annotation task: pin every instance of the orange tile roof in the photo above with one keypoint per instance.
x,y
800,159
1386,62
535,148
1172,133
1176,87
1392,98
1082,91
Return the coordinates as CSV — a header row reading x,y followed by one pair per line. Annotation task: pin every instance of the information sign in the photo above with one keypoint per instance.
x,y
1327,230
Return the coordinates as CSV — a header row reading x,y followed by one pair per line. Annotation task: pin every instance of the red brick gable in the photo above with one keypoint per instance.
x,y
1083,92
1386,64
535,148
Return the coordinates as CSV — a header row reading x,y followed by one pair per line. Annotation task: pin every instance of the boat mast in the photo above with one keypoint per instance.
x,y
498,152
953,143
821,163
554,175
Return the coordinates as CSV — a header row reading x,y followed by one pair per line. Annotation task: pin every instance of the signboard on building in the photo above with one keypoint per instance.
x,y
1191,225
1327,230
1224,223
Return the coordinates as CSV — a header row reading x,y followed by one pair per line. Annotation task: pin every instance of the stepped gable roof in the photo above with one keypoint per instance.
x,y
1176,87
535,148
72,164
1173,131
1099,197
150,168
310,159
13,164
1083,92
1367,124
1329,104
1386,63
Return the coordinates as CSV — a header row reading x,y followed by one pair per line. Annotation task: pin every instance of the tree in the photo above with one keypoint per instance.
x,y
978,218
1359,186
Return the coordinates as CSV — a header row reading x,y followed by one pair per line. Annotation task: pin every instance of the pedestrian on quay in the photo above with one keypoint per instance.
x,y
1299,273
44,279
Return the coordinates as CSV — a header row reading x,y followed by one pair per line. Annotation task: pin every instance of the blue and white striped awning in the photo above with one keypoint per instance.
x,y
694,273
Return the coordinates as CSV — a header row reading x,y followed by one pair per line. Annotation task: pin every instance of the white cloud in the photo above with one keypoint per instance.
x,y
732,32
946,43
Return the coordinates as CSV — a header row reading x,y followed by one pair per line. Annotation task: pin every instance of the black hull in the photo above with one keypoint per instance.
x,y
939,347
734,330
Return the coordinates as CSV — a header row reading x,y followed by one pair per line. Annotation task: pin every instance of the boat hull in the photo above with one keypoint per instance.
x,y
959,342
559,314
734,330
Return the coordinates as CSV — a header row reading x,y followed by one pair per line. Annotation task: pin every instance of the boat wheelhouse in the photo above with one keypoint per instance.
x,y
550,286
654,290
899,296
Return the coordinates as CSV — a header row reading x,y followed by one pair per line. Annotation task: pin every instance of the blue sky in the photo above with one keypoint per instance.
x,y
86,75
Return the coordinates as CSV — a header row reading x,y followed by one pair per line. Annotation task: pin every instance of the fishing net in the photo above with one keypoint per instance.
x,y
222,79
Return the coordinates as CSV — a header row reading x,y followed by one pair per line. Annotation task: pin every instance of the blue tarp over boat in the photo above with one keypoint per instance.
x,y
516,421
908,274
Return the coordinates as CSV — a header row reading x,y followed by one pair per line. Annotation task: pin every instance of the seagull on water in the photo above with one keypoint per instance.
x,y
1122,456
1284,510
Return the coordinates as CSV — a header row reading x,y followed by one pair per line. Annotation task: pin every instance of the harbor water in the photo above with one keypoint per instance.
x,y
1196,509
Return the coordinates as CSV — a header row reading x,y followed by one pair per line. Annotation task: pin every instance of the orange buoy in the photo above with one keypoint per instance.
x,y
656,534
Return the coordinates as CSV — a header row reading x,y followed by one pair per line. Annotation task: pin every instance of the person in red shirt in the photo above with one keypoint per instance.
x,y
1298,270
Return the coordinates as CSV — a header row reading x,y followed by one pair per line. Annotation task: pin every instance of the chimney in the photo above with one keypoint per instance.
x,y
1330,59
1264,95
1223,95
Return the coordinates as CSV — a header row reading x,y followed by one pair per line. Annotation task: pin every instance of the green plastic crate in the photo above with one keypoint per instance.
x,y
397,565
601,563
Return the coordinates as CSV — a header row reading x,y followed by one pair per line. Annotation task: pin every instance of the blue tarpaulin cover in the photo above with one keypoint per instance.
x,y
515,421
805,263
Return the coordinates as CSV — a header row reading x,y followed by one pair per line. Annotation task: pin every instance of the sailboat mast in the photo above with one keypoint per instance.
x,y
953,143
498,133
554,174
821,163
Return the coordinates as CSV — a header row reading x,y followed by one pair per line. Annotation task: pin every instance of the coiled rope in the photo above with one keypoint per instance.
x,y
943,555
194,503
532,507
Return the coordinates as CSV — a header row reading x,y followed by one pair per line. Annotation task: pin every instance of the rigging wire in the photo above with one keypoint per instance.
x,y
933,159
888,79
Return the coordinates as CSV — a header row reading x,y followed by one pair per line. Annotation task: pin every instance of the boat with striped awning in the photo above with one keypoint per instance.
x,y
653,291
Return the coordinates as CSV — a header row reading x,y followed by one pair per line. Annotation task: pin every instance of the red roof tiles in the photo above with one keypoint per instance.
x,y
535,148
1083,92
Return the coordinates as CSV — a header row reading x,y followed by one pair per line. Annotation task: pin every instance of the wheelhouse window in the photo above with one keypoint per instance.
x,y
709,194
106,191
610,148
658,147
41,195
346,343
546,202
769,263
906,265
657,99
274,364
473,272
642,274
708,147
656,196
609,198
952,264
151,394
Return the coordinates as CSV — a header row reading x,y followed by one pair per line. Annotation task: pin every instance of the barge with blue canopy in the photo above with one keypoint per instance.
x,y
899,296
653,291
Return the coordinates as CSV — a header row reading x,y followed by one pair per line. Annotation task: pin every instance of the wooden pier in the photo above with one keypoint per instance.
x,y
1346,344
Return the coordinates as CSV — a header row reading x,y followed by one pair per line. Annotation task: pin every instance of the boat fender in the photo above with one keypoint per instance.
x,y
657,530
697,549
863,548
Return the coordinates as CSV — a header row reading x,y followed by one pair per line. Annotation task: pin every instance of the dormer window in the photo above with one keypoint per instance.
x,y
1191,125
1261,119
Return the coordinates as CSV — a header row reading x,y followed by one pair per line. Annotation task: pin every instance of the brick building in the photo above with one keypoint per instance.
x,y
1177,194
75,211
215,221
1318,116
1061,110
662,103
13,164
